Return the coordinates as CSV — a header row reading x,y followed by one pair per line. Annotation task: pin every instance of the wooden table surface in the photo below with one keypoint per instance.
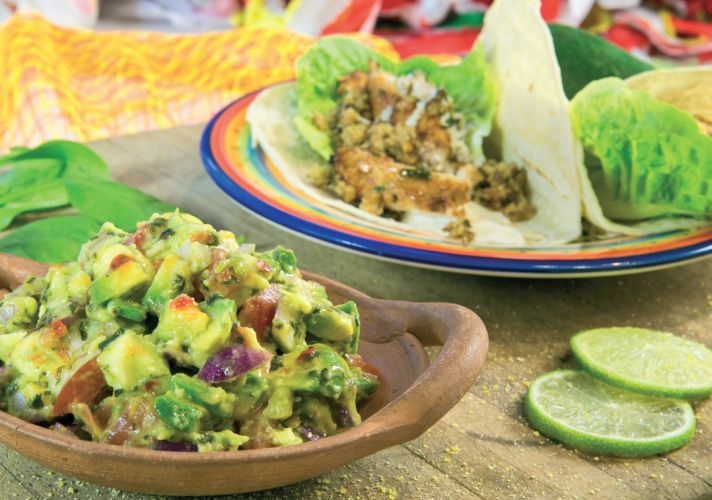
x,y
483,448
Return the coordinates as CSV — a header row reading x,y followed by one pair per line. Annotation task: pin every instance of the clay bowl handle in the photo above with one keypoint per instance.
x,y
464,341
15,270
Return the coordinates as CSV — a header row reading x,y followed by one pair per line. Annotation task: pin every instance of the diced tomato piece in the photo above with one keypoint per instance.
x,y
263,266
356,361
218,255
117,261
258,311
58,328
84,386
205,237
130,420
307,354
138,237
183,302
53,336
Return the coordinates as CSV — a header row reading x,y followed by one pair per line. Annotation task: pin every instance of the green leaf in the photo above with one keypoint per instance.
x,y
645,158
79,160
318,72
470,83
45,196
105,200
28,186
14,151
26,172
53,240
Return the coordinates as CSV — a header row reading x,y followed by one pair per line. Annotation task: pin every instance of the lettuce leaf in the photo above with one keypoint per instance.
x,y
644,158
470,83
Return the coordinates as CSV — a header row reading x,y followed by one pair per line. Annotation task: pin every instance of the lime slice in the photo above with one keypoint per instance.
x,y
582,412
646,361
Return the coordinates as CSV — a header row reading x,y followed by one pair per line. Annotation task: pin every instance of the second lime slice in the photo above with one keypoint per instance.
x,y
587,414
646,361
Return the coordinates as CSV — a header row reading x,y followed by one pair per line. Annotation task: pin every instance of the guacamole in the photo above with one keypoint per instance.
x,y
180,337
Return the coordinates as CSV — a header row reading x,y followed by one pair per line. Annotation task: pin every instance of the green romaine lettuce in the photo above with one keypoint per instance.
x,y
645,158
470,83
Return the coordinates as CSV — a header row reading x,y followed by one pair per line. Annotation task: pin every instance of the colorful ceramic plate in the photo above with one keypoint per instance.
x,y
245,174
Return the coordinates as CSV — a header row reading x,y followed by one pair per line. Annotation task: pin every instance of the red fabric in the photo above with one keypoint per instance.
x,y
687,27
550,9
628,38
434,41
360,15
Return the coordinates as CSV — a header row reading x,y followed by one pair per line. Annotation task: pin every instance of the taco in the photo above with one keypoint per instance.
x,y
480,151
646,159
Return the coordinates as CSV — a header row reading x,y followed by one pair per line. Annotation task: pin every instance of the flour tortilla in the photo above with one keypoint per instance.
x,y
532,125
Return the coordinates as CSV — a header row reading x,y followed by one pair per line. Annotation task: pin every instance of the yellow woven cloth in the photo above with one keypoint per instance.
x,y
83,85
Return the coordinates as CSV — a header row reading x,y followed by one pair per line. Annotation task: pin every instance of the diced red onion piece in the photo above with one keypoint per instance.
x,y
309,433
171,446
231,362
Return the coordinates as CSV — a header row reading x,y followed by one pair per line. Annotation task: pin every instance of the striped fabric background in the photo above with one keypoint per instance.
x,y
81,84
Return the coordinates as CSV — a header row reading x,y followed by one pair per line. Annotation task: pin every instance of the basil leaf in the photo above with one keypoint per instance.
x,y
14,152
24,187
26,172
79,160
44,196
53,240
105,200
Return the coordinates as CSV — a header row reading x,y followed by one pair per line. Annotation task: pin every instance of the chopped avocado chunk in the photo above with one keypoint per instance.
x,y
8,341
126,279
39,356
66,292
131,362
286,259
19,312
318,369
280,404
251,390
222,313
331,324
218,402
93,255
288,328
127,309
181,321
190,332
225,440
284,437
173,278
179,413
366,383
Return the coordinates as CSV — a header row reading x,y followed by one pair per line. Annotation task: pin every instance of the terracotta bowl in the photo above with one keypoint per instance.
x,y
415,394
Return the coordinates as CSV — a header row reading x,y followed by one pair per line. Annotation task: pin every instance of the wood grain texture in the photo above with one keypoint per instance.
x,y
483,447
